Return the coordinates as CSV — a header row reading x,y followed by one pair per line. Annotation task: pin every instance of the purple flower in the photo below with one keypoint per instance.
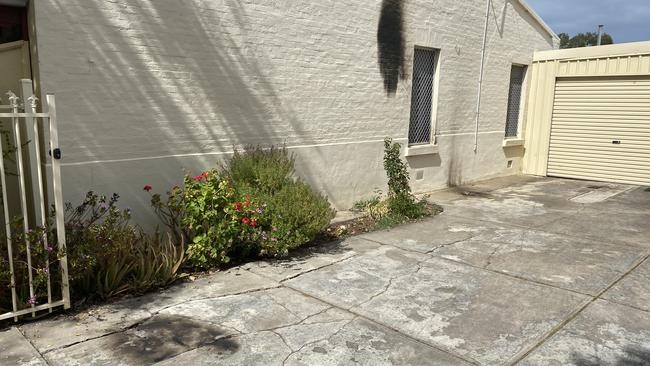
x,y
274,239
50,248
46,270
32,300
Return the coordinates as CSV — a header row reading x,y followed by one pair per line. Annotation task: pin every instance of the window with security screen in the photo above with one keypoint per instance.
x,y
424,68
517,75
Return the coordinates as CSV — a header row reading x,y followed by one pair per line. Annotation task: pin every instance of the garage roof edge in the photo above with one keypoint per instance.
x,y
613,50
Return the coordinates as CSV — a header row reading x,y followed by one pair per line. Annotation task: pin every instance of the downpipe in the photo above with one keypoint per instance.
x,y
480,77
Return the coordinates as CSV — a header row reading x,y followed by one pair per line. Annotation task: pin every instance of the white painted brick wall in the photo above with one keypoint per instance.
x,y
138,79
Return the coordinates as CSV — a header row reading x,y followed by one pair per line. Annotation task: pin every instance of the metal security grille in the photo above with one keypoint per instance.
x,y
422,96
514,100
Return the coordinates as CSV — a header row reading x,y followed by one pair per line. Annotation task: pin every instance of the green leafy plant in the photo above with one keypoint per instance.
x,y
400,205
250,206
296,214
259,169
44,265
109,256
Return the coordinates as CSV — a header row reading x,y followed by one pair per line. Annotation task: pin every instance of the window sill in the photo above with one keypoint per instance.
x,y
511,142
420,150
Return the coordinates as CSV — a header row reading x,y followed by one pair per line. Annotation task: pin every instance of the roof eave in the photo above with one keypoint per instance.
x,y
538,19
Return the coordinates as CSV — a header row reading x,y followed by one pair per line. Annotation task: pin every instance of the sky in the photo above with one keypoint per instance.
x,y
624,20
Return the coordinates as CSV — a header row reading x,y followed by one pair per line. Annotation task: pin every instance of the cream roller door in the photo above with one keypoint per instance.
x,y
601,130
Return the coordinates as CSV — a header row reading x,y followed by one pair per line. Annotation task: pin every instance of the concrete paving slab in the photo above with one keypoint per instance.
x,y
430,234
233,281
157,339
16,350
263,348
634,289
103,320
351,342
604,334
66,330
252,312
593,223
477,314
576,264
511,210
358,279
309,259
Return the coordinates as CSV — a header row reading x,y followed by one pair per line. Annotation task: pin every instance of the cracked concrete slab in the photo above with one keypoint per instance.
x,y
103,320
604,334
309,259
356,280
348,342
97,322
16,350
157,339
430,234
634,289
474,313
252,312
576,264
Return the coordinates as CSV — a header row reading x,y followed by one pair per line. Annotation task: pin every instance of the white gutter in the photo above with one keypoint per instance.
x,y
480,78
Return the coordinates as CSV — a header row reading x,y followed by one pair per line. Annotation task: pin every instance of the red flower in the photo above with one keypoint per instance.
x,y
248,196
246,204
148,188
253,224
245,220
205,175
237,206
198,178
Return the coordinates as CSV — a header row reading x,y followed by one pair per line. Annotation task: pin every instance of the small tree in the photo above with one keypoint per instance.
x,y
587,39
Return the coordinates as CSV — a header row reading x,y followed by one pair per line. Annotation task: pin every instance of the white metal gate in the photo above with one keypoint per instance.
x,y
24,117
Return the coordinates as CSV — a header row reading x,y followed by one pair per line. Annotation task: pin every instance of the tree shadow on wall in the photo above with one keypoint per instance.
x,y
634,356
390,43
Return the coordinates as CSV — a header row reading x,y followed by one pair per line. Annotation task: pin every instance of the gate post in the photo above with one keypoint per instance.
x,y
58,198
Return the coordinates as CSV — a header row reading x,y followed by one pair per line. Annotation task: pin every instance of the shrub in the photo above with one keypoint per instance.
x,y
296,214
262,170
44,261
108,256
220,221
251,206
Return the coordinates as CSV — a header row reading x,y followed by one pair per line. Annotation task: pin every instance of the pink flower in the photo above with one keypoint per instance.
x,y
198,178
32,300
245,220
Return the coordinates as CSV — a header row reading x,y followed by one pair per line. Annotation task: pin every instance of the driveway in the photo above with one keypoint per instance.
x,y
519,270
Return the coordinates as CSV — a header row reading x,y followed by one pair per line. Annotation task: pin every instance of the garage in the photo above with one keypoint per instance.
x,y
601,130
588,114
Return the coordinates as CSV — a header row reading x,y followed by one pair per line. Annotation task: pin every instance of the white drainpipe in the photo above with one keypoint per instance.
x,y
480,78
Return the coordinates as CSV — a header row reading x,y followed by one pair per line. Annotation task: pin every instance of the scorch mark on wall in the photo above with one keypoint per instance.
x,y
390,41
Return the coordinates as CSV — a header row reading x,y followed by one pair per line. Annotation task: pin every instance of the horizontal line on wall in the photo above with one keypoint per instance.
x,y
217,153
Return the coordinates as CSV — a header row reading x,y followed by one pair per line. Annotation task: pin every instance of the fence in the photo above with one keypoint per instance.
x,y
25,120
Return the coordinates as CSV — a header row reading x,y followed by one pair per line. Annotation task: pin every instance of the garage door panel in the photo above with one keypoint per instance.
x,y
605,143
641,162
601,130
599,150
